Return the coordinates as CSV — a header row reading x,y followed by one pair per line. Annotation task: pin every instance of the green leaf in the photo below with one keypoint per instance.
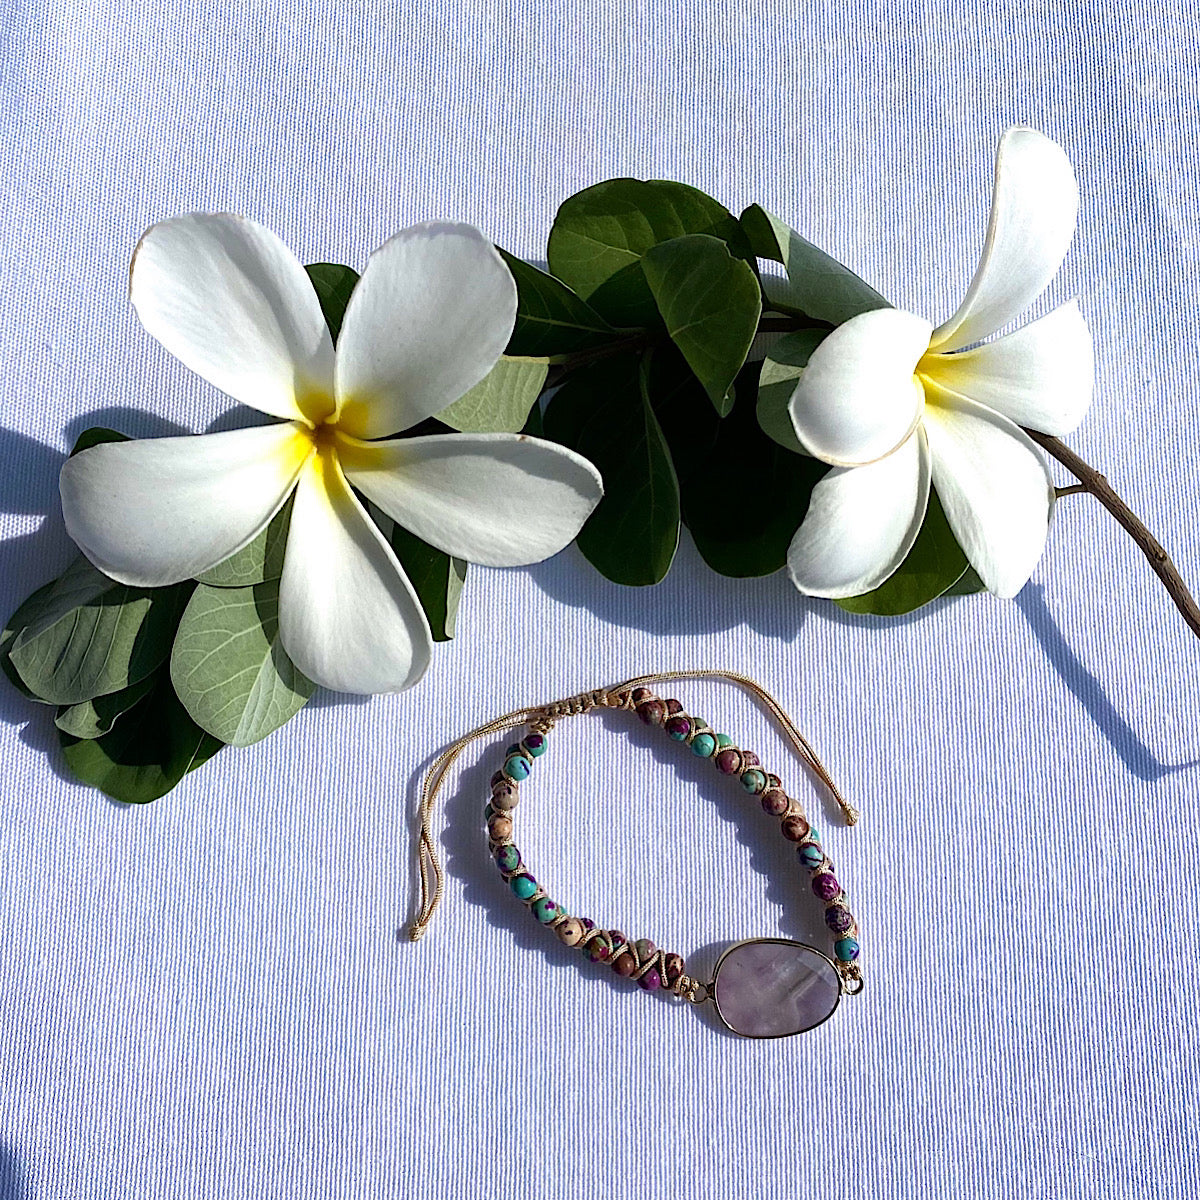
x,y
743,496
816,285
933,566
333,284
96,435
781,368
500,402
710,303
30,609
93,635
604,413
94,718
436,577
551,319
256,562
969,585
229,668
600,234
148,751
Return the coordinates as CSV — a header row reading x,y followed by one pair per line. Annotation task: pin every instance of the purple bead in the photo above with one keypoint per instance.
x,y
729,762
534,741
678,727
774,988
650,981
652,712
673,708
826,886
838,918
750,759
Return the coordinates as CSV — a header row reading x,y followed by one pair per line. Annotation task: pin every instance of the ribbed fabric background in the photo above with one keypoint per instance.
x,y
207,997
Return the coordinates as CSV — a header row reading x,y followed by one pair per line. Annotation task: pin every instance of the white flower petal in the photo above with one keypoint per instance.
x,y
497,499
858,399
348,616
157,511
1035,203
428,320
1040,377
861,523
994,485
230,300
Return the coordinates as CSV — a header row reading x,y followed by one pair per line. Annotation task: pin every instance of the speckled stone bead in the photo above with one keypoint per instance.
x,y
699,723
811,855
489,811
505,797
645,949
750,759
652,712
517,767
497,778
678,728
508,858
838,918
775,802
729,761
650,981
570,931
641,694
544,909
704,745
754,780
794,828
724,741
624,964
673,968
599,948
523,886
500,828
674,708
826,886
534,744
846,949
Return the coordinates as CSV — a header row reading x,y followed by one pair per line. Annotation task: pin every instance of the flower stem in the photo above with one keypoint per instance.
x,y
1090,480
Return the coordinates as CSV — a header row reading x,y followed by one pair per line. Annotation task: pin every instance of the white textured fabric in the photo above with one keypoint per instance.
x,y
207,997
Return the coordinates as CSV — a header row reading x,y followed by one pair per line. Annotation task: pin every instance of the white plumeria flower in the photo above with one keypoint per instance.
x,y
429,318
894,404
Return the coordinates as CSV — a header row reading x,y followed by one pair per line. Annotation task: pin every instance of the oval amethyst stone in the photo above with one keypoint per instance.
x,y
774,988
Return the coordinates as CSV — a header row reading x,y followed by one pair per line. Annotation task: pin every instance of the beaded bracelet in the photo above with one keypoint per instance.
x,y
761,987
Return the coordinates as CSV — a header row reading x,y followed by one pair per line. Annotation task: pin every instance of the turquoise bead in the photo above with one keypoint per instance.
x,y
545,909
704,745
754,780
846,949
523,886
724,741
518,768
534,744
811,856
508,858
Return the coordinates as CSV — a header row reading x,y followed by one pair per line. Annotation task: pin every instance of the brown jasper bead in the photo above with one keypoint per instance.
x,y
645,949
729,761
672,968
499,777
773,781
500,828
652,712
750,759
641,694
624,964
674,708
795,828
570,931
505,797
775,801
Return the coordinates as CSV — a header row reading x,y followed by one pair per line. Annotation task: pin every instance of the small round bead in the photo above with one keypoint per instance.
x,y
534,744
624,964
673,967
775,801
570,932
515,748
617,939
645,949
704,745
497,778
500,828
489,811
724,741
523,886
811,855
678,728
598,948
517,767
587,923
750,759
505,797
846,949
508,858
650,982
729,761
813,835
839,919
641,694
699,723
754,780
544,909
826,886
795,828
674,708
652,712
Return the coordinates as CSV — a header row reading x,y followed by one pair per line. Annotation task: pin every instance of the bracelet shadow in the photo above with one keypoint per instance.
x,y
464,843
12,1176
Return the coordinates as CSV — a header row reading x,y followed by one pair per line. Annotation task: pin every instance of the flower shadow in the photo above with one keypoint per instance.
x,y
467,859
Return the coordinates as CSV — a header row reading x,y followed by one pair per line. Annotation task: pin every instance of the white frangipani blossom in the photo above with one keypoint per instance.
x,y
430,317
897,406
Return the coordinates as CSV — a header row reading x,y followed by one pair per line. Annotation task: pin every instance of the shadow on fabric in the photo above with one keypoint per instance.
x,y
12,1177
